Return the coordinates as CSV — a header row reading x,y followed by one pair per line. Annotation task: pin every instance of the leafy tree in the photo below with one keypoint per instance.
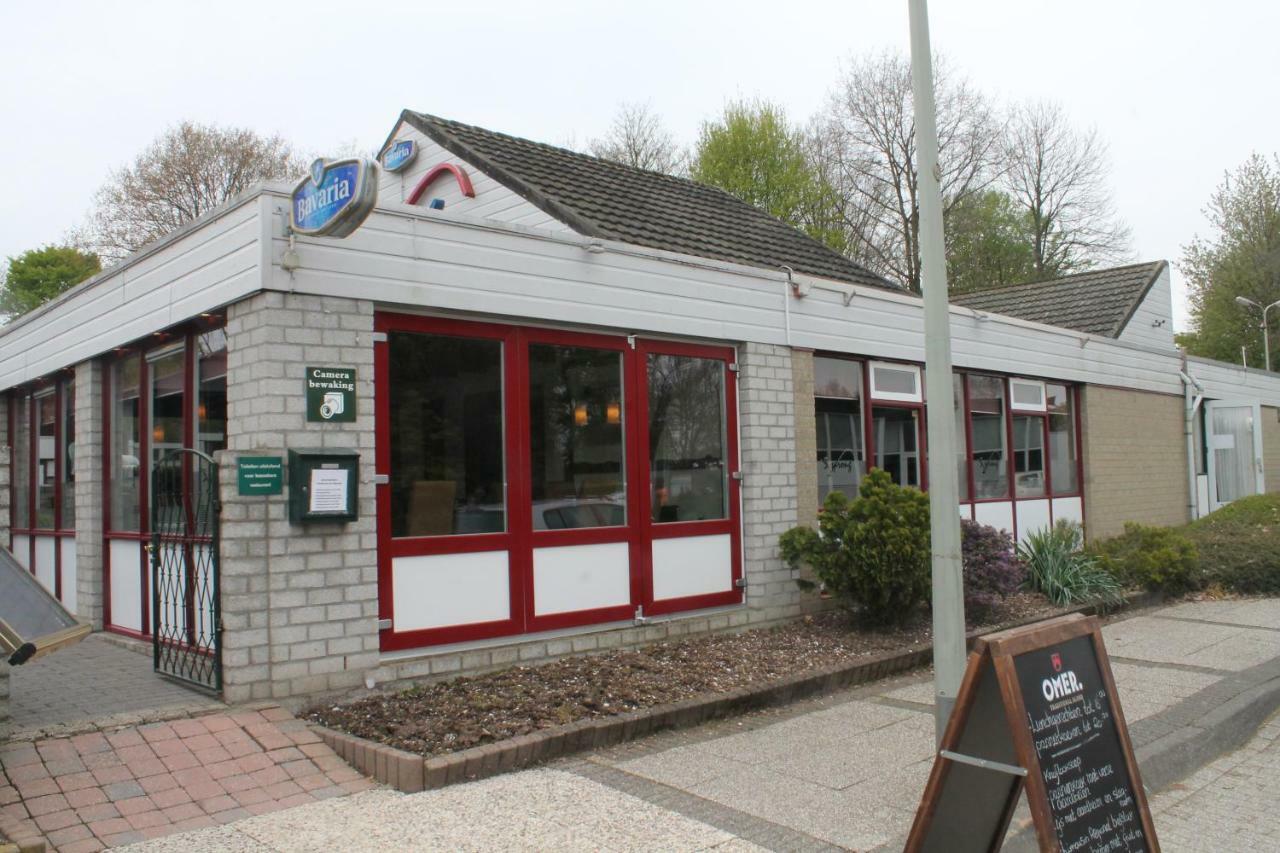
x,y
867,132
1058,177
186,172
638,138
38,275
988,243
753,152
1241,257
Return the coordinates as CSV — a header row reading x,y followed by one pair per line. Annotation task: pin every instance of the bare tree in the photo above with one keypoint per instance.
x,y
1058,176
186,172
868,128
638,138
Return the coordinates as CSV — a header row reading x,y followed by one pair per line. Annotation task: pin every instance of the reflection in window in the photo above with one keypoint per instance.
x,y
168,396
576,437
838,415
447,447
126,446
1063,469
46,459
68,520
987,427
687,456
211,391
21,441
1028,456
957,398
896,437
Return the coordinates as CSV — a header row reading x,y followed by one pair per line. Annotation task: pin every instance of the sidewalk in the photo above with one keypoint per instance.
x,y
843,771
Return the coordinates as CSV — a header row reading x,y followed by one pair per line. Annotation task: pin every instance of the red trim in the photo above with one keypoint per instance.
x,y
460,174
108,387
520,539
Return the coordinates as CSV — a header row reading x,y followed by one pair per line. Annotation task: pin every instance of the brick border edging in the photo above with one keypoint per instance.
x,y
410,773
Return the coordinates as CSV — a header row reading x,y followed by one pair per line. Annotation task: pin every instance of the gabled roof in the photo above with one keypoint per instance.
x,y
600,198
1099,302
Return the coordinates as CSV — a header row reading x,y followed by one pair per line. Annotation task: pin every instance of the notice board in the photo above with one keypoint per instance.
x,y
1037,712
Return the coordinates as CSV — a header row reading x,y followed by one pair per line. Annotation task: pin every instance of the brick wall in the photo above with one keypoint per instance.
x,y
1271,447
299,604
88,471
1135,459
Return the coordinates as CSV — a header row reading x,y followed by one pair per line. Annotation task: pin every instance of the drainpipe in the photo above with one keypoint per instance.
x,y
1193,402
789,290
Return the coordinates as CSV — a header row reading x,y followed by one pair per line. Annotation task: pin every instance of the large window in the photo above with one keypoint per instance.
x,y
448,453
962,453
1028,456
988,437
211,391
895,435
125,462
1064,468
687,457
837,392
46,459
21,473
68,476
576,437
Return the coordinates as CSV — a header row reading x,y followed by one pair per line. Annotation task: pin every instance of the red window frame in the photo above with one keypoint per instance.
x,y
520,538
55,386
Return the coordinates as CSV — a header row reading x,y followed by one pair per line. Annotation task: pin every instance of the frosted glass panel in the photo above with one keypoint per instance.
x,y
1233,452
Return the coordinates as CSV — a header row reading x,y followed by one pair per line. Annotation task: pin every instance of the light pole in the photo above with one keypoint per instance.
x,y
1266,337
944,489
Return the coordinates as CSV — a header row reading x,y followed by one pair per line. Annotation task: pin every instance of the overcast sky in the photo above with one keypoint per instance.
x,y
1174,87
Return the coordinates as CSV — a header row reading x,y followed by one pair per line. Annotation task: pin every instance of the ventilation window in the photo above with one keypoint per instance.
x,y
897,382
1027,395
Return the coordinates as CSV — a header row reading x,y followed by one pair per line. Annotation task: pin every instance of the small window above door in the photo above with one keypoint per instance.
x,y
1027,395
896,382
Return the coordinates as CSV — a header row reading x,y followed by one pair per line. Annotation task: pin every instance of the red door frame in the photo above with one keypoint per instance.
x,y
520,539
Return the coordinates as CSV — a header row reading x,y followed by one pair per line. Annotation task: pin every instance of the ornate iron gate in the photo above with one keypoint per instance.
x,y
186,618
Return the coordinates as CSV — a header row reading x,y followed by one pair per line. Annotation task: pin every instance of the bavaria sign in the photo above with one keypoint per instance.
x,y
335,198
399,155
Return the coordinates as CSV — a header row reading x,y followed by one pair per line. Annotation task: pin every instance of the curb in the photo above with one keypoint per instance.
x,y
410,773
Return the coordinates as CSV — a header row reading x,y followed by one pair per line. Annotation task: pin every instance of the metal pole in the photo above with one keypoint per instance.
x,y
944,493
1266,337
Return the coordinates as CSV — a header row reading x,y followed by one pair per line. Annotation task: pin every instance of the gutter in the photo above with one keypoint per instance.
x,y
1193,402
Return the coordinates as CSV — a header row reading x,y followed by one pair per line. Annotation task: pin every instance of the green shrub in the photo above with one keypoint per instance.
x,y
1240,545
871,553
1058,568
1161,559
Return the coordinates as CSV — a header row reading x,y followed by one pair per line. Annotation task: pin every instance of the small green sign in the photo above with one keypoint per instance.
x,y
260,475
331,394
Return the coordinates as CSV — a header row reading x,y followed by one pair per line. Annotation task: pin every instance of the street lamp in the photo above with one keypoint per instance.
x,y
1266,338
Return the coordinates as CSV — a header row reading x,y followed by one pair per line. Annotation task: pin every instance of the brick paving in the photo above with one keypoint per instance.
x,y
107,788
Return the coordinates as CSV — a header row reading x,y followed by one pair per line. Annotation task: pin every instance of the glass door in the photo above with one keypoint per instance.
x,y
1235,451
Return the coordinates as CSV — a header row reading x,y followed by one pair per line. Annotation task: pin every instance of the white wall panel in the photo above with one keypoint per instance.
x,y
1032,516
1070,509
22,551
125,591
450,589
997,514
692,565
1152,322
581,577
46,565
69,599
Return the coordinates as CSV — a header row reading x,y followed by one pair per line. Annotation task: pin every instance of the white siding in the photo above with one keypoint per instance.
x,y
201,269
492,200
1152,323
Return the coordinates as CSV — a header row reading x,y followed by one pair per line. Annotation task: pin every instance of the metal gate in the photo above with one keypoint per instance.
x,y
186,618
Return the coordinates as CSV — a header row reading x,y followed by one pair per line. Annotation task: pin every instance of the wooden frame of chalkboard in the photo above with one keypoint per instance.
x,y
993,747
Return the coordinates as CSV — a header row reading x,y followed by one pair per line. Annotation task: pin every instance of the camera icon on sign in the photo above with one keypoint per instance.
x,y
332,404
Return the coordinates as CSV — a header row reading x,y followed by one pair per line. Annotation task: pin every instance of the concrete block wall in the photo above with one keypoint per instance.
x,y
89,510
806,432
299,603
1135,459
767,437
1271,447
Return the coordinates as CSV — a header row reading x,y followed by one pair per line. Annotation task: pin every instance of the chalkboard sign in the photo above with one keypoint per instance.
x,y
32,622
1037,711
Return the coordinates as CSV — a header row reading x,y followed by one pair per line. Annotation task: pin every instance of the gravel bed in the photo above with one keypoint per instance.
x,y
446,716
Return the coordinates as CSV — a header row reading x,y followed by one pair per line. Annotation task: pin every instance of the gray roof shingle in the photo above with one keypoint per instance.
x,y
1099,302
600,198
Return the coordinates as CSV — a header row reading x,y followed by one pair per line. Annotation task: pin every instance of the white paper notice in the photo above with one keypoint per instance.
x,y
328,490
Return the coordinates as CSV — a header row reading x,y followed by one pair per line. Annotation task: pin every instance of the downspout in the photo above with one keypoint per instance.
x,y
1192,405
789,290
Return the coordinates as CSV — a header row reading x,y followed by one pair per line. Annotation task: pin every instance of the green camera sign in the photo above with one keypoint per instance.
x,y
331,394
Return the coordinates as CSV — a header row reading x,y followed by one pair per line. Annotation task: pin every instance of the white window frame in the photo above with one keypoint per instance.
x,y
1014,405
896,396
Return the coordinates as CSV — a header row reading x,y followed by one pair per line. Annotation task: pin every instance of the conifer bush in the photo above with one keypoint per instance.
x,y
871,553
